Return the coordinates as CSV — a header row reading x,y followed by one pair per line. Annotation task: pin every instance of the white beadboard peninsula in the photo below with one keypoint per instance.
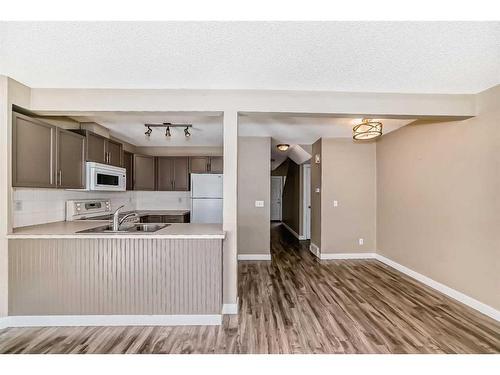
x,y
171,276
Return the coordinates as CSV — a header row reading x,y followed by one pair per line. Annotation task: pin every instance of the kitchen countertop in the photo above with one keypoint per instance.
x,y
69,229
146,213
161,212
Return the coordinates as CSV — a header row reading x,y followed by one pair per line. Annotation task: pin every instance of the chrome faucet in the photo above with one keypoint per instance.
x,y
116,218
116,221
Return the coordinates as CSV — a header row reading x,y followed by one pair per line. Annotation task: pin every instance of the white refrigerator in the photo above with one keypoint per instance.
x,y
206,198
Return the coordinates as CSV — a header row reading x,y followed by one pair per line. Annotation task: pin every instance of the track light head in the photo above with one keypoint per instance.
x,y
186,132
167,132
148,132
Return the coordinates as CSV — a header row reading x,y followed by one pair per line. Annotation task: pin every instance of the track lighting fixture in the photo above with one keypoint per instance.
x,y
167,126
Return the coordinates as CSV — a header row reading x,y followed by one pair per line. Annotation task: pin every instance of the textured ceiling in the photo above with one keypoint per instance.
x,y
208,131
129,126
306,129
406,57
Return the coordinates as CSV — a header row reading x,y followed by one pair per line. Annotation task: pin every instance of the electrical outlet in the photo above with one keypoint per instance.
x,y
318,190
361,241
335,203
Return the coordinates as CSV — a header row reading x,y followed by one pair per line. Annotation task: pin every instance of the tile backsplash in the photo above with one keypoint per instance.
x,y
40,206
162,200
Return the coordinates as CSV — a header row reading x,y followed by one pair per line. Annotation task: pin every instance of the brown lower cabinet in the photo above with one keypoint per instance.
x,y
166,218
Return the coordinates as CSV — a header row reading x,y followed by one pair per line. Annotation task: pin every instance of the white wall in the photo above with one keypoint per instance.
x,y
11,92
40,206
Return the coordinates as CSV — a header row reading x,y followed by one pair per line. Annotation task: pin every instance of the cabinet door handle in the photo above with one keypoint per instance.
x,y
60,177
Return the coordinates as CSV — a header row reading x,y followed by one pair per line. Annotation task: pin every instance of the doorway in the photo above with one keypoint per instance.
x,y
276,191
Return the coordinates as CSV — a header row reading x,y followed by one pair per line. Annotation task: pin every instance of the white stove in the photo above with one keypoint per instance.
x,y
88,209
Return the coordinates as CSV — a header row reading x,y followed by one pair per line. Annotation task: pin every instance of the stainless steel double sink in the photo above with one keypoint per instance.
x,y
127,229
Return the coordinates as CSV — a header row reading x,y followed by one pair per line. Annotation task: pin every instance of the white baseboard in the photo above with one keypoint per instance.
x,y
254,256
296,235
450,292
231,308
109,320
331,256
313,248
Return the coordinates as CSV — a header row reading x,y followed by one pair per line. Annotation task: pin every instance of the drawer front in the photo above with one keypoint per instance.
x,y
173,219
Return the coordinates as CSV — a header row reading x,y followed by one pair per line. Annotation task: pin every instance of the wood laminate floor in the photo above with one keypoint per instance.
x,y
297,304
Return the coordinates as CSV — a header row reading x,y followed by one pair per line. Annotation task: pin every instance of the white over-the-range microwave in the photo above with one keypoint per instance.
x,y
103,177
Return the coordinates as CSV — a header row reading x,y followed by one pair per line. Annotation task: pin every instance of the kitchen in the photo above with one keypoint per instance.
x,y
128,216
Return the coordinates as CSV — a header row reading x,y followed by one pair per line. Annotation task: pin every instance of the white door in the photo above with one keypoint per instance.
x,y
276,190
307,201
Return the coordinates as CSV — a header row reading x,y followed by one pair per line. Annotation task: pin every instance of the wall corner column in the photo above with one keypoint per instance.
x,y
4,195
230,210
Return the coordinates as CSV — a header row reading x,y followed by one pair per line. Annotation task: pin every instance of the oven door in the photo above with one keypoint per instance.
x,y
104,178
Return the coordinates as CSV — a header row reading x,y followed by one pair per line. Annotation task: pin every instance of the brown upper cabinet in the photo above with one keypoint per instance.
x,y
172,173
206,164
102,150
128,164
70,160
216,164
115,152
46,156
144,172
199,164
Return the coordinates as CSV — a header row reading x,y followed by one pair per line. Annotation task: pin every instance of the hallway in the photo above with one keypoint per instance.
x,y
297,304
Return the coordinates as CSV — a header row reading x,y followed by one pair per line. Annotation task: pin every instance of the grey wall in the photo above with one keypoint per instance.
x,y
291,199
349,177
254,183
316,197
438,200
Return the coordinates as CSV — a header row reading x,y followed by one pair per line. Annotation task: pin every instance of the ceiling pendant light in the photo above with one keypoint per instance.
x,y
367,130
282,147
167,132
186,132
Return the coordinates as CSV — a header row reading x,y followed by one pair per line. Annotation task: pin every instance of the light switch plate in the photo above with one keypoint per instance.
x,y
335,203
317,190
18,205
361,241
259,203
